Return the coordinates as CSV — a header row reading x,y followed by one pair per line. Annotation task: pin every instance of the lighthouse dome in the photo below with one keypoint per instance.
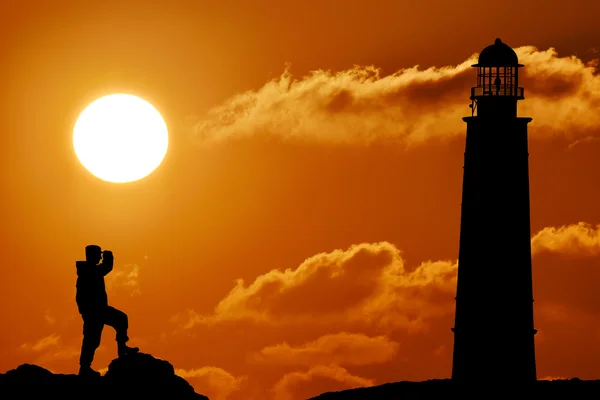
x,y
498,54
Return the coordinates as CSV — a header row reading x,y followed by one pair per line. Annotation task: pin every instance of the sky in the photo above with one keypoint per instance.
x,y
301,234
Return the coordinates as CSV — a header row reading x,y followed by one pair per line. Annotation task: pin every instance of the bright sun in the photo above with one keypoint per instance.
x,y
120,138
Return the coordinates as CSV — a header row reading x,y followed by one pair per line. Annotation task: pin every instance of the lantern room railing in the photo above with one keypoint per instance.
x,y
493,90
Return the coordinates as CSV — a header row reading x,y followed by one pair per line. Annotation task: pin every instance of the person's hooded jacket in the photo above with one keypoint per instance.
x,y
91,294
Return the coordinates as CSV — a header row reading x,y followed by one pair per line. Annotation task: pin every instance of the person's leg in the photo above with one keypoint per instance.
x,y
119,321
92,334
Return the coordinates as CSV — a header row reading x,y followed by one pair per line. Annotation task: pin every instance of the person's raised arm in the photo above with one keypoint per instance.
x,y
107,262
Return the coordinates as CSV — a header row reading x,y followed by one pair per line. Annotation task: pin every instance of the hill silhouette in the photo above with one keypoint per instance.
x,y
444,388
138,376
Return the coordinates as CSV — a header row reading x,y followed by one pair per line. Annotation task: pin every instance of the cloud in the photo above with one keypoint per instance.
x,y
50,320
214,382
42,344
58,354
48,350
366,283
581,238
340,349
125,278
587,139
189,318
412,105
318,379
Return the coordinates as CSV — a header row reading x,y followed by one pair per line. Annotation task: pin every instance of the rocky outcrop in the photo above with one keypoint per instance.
x,y
138,376
445,389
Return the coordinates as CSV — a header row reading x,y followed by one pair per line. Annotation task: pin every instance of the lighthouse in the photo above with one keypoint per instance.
x,y
493,328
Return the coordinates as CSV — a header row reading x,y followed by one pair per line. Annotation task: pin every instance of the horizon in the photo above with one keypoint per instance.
x,y
301,233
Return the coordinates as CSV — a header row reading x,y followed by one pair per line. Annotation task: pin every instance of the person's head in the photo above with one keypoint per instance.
x,y
93,254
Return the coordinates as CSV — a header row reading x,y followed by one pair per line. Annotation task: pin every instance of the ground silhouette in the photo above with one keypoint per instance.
x,y
446,388
137,376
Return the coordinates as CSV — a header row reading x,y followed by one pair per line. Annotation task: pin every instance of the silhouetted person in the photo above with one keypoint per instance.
x,y
92,302
497,83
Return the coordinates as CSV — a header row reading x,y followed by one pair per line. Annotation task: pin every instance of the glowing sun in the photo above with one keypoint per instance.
x,y
120,138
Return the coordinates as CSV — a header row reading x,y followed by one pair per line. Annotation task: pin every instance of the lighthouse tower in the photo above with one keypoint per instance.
x,y
493,331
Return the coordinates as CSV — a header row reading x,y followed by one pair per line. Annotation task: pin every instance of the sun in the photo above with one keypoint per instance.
x,y
120,138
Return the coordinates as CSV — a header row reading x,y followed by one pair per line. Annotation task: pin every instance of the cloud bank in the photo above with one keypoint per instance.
x,y
366,283
411,106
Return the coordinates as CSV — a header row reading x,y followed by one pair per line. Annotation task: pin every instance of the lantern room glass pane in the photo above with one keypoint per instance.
x,y
497,81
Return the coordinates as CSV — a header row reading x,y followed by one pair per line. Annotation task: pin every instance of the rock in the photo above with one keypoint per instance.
x,y
132,377
445,389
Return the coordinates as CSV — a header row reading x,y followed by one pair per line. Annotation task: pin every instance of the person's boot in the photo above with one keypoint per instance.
x,y
88,372
124,350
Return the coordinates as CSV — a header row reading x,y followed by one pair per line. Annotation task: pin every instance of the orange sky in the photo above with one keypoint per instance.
x,y
302,233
